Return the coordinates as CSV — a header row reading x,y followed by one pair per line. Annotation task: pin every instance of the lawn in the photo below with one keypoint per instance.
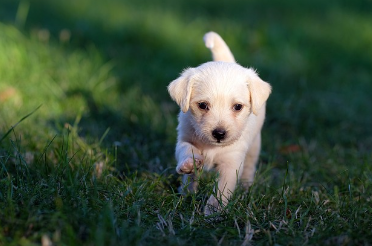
x,y
87,127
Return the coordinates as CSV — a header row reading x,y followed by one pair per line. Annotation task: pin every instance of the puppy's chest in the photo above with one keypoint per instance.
x,y
213,157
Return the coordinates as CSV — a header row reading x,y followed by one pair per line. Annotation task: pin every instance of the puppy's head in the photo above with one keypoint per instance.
x,y
219,96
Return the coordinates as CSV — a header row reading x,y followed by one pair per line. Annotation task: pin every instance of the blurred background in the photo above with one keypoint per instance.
x,y
100,68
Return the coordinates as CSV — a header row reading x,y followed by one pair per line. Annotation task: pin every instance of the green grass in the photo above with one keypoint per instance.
x,y
94,164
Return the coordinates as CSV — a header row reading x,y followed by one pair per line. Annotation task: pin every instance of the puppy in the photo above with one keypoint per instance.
x,y
222,113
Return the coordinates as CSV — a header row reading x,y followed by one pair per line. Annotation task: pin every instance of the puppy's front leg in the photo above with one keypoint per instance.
x,y
187,156
250,162
228,177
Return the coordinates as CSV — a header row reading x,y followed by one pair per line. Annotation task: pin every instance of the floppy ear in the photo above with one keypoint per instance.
x,y
180,89
259,89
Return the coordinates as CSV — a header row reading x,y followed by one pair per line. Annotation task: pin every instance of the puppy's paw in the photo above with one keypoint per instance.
x,y
187,166
212,206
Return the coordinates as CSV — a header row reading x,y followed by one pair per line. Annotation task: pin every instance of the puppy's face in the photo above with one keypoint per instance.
x,y
219,106
219,97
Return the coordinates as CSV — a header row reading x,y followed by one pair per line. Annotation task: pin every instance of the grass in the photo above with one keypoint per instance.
x,y
94,164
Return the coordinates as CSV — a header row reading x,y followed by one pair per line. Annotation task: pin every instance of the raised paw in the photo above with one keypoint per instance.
x,y
187,166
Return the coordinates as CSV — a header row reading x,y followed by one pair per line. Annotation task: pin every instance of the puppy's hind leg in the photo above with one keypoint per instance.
x,y
189,184
189,161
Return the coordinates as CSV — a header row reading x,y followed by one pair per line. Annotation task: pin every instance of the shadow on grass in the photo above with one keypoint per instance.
x,y
139,143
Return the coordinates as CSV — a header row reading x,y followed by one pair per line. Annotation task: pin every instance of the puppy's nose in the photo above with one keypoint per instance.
x,y
219,134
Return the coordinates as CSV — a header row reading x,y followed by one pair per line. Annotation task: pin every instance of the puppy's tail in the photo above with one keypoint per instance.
x,y
220,50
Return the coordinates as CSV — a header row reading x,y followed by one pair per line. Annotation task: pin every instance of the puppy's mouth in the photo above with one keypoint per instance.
x,y
221,143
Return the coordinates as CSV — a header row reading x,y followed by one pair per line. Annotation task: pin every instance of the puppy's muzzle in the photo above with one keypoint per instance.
x,y
219,134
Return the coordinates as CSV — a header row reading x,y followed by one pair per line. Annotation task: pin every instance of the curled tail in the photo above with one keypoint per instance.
x,y
220,50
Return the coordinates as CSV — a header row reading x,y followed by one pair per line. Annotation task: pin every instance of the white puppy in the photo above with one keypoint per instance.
x,y
222,113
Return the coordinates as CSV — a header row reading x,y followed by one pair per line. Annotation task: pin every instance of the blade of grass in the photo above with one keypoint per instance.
x,y
22,13
13,127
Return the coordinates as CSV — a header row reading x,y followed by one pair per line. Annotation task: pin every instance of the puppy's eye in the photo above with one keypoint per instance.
x,y
237,107
203,105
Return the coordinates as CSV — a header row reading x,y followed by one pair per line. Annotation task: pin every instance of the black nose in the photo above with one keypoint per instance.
x,y
219,134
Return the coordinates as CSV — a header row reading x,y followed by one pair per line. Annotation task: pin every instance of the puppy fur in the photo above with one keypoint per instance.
x,y
222,113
